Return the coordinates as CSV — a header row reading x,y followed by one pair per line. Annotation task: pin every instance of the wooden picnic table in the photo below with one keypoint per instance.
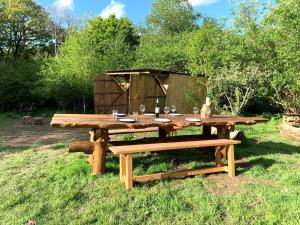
x,y
100,124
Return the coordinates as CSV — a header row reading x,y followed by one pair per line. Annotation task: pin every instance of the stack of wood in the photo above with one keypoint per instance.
x,y
290,126
29,120
292,119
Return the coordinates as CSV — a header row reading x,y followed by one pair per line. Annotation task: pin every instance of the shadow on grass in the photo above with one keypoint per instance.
x,y
6,149
254,148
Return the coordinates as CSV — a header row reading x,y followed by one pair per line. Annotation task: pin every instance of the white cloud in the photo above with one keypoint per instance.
x,y
114,7
63,5
202,2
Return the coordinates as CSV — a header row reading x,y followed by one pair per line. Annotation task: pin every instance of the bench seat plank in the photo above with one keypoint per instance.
x,y
170,146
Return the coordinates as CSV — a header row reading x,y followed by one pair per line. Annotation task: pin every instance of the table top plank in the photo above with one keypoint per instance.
x,y
107,122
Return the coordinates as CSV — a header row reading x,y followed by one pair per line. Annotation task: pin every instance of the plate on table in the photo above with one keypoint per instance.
x,y
175,114
127,120
163,120
149,114
193,120
121,114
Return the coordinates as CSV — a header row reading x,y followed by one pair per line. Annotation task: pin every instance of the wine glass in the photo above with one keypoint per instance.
x,y
115,113
166,109
195,110
142,108
135,115
173,108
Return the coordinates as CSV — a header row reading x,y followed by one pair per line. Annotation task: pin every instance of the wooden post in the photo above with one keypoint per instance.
x,y
129,175
122,168
162,133
206,131
96,158
231,163
91,158
223,133
99,153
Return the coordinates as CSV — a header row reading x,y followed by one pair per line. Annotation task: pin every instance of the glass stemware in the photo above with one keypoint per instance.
x,y
166,109
173,108
115,113
142,109
135,115
196,110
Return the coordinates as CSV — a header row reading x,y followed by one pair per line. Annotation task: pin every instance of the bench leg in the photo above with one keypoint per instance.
x,y
231,164
128,177
122,168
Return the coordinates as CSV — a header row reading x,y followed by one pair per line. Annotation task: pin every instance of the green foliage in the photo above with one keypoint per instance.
x,y
17,83
24,28
282,31
235,86
104,44
102,31
162,52
205,48
169,17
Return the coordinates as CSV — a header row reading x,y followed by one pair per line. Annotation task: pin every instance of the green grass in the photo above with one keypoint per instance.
x,y
52,186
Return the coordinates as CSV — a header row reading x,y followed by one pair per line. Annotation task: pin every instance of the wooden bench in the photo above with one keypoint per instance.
x,y
126,152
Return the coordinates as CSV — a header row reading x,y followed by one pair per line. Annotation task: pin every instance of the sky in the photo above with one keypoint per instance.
x,y
136,10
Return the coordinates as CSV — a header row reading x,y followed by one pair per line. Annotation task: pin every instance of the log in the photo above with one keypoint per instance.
x,y
27,120
286,130
81,146
38,120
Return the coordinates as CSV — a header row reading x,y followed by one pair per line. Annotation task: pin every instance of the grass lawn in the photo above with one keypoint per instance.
x,y
51,186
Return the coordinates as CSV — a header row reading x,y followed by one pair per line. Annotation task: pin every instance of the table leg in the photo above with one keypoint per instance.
x,y
99,153
206,132
221,152
91,157
162,133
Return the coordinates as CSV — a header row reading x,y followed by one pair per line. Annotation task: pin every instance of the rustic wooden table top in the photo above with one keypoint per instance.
x,y
107,122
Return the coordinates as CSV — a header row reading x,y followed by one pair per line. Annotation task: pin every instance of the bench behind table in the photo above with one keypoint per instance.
x,y
126,152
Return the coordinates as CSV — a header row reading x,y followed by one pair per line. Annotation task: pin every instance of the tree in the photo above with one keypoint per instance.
x,y
171,16
23,25
282,32
105,44
163,52
233,87
101,31
205,48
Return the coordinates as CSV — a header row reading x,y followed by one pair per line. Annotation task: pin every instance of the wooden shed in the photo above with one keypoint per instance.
x,y
126,90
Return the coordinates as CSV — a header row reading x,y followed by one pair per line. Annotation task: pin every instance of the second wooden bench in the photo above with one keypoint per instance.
x,y
126,164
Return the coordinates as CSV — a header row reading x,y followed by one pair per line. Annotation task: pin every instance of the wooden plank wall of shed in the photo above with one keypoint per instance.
x,y
144,90
179,87
108,95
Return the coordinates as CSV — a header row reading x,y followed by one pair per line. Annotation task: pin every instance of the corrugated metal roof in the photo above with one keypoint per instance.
x,y
143,71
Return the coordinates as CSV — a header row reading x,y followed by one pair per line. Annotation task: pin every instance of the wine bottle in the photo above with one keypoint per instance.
x,y
157,109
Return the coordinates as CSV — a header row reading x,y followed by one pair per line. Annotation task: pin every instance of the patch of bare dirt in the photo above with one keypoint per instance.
x,y
296,165
19,134
220,184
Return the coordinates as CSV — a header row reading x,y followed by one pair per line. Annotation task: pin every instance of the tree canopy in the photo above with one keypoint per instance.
x,y
24,28
259,49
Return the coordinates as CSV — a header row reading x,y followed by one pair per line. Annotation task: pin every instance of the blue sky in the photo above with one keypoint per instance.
x,y
136,10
